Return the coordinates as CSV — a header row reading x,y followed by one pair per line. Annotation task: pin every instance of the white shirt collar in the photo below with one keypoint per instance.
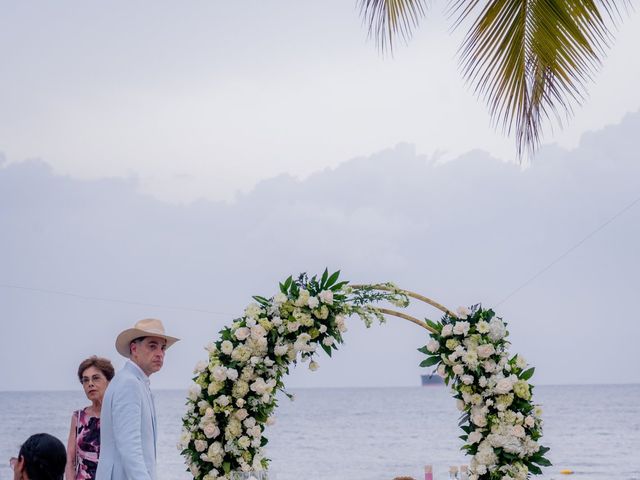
x,y
140,373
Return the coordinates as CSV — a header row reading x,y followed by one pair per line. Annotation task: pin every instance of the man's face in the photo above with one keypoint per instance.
x,y
148,354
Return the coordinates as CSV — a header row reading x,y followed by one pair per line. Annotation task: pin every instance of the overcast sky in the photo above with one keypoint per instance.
x,y
192,155
470,230
205,98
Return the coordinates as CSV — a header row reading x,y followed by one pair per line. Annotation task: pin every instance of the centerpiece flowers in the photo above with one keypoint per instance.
x,y
233,395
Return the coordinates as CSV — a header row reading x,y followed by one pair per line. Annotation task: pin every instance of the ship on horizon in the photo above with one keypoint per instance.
x,y
431,380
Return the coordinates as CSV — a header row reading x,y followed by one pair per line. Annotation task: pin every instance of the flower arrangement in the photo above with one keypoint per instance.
x,y
501,424
232,397
233,394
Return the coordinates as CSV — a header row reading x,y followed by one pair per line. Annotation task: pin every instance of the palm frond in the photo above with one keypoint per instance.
x,y
389,19
532,59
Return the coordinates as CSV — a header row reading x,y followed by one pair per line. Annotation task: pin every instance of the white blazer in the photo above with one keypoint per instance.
x,y
128,431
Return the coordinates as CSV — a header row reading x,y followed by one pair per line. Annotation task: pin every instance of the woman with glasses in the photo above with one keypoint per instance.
x,y
41,457
83,447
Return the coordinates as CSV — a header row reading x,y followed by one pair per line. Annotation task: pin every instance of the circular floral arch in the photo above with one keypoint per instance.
x,y
233,396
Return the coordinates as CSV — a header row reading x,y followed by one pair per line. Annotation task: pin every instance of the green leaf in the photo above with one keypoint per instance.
x,y
332,279
338,286
261,300
534,469
527,374
434,325
430,361
326,348
325,275
424,350
542,461
226,466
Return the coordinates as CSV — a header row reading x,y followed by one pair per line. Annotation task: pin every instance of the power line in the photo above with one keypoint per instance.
x,y
570,250
115,300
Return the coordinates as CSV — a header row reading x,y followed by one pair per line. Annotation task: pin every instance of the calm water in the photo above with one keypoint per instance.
x,y
378,433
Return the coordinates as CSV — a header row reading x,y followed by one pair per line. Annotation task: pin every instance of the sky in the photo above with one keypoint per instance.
x,y
172,160
205,99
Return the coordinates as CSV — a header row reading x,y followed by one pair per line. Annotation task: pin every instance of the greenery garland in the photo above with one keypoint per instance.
x,y
233,395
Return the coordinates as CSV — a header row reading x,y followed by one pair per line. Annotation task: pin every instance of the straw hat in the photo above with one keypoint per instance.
x,y
149,327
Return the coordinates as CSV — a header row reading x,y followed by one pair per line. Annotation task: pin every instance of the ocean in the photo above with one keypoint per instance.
x,y
375,433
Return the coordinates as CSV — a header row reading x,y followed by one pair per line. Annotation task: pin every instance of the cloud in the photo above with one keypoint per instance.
x,y
470,230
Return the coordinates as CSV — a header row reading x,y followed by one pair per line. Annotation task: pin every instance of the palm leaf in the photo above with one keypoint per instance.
x,y
528,59
388,19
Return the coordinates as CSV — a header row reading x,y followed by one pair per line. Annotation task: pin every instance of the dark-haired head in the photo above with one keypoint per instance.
x,y
42,457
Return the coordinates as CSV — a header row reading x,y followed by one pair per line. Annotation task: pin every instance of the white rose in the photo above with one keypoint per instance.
x,y
474,437
241,414
293,326
497,329
486,350
211,430
242,333
226,347
482,381
223,400
489,366
460,405
313,302
479,418
313,366
442,370
521,363
518,431
232,374
433,346
200,367
328,341
277,321
467,379
211,347
503,386
253,310
201,445
529,421
458,369
326,296
219,373
194,391
463,312
461,328
279,298
447,330
280,350
258,331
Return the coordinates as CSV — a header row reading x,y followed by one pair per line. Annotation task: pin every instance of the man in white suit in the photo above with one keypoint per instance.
x,y
128,427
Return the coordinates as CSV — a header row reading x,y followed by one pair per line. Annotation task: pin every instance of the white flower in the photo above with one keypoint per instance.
x,y
194,391
313,302
313,366
447,330
504,385
433,346
201,445
442,370
241,414
461,328
479,417
226,347
463,312
489,366
211,347
474,437
258,331
518,431
460,405
326,296
232,374
279,298
482,381
293,326
328,341
219,373
277,321
521,363
482,326
280,350
210,430
497,330
244,442
458,369
253,310
486,350
185,438
271,421
223,400
200,367
242,333
467,379
529,421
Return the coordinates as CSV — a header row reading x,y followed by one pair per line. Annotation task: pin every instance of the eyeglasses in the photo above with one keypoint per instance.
x,y
94,379
12,462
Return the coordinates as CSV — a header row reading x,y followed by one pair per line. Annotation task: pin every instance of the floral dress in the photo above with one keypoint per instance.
x,y
87,445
